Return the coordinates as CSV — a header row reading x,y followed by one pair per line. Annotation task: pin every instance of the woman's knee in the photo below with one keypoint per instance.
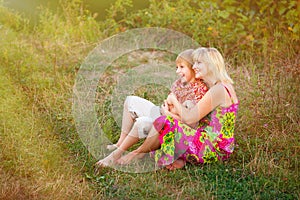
x,y
160,123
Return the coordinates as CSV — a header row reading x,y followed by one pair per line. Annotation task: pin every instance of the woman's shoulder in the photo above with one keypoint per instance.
x,y
226,89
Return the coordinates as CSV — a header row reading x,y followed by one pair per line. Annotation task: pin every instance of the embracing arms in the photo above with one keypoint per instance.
x,y
213,98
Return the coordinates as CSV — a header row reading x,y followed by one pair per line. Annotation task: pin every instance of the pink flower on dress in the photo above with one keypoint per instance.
x,y
226,145
199,139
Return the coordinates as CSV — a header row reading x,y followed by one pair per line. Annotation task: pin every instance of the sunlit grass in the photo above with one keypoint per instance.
x,y
34,163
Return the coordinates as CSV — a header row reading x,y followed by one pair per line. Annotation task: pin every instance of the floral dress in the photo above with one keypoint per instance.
x,y
213,140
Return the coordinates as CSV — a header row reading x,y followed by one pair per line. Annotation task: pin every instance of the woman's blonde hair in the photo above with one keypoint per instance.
x,y
214,61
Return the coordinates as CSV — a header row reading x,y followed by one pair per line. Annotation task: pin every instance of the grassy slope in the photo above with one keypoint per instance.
x,y
34,163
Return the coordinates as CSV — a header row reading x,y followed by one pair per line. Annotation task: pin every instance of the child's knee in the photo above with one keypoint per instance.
x,y
127,101
143,125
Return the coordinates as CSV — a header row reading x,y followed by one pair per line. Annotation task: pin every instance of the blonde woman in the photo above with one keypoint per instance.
x,y
176,142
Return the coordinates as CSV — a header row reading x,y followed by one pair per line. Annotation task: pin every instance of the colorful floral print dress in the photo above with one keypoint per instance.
x,y
212,141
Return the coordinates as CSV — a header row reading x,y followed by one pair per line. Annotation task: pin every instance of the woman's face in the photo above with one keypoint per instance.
x,y
200,69
185,72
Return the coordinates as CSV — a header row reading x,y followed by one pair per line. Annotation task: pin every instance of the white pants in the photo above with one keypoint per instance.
x,y
143,112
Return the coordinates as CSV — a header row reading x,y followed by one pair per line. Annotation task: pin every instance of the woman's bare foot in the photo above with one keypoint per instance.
x,y
177,164
124,160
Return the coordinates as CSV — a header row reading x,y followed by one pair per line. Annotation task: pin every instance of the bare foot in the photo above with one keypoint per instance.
x,y
108,161
112,147
124,160
177,164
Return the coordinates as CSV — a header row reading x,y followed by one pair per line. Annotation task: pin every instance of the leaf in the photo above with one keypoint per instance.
x,y
212,135
224,14
282,9
243,18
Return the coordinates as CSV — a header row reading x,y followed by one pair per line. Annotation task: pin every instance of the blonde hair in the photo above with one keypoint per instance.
x,y
187,56
214,61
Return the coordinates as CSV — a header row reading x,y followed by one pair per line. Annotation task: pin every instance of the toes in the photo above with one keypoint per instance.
x,y
169,166
177,164
101,163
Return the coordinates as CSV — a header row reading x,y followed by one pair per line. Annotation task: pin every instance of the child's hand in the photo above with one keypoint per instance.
x,y
171,98
164,108
168,109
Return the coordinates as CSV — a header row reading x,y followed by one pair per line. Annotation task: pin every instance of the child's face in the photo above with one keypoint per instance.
x,y
185,71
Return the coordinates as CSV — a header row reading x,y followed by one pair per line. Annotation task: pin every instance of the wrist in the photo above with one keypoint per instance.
x,y
161,110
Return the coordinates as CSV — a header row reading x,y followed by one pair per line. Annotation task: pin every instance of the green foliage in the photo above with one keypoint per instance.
x,y
12,20
119,10
74,23
231,25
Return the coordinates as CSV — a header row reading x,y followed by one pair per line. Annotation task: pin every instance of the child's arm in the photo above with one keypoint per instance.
x,y
170,109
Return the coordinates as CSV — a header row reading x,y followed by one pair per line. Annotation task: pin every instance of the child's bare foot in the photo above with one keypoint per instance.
x,y
111,147
177,164
104,163
107,161
124,160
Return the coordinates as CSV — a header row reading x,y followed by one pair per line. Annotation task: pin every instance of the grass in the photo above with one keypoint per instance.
x,y
34,162
43,157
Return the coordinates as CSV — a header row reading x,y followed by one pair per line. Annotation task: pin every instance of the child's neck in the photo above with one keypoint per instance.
x,y
192,80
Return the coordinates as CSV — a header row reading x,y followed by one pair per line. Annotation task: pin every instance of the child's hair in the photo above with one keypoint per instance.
x,y
187,56
215,62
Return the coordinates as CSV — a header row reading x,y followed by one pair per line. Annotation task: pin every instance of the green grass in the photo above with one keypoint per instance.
x,y
42,155
34,162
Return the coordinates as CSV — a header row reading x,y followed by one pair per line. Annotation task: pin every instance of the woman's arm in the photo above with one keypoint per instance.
x,y
213,98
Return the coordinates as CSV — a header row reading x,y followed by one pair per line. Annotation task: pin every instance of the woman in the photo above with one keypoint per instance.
x,y
176,142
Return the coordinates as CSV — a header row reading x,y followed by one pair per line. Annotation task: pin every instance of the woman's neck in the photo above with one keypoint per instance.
x,y
210,81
